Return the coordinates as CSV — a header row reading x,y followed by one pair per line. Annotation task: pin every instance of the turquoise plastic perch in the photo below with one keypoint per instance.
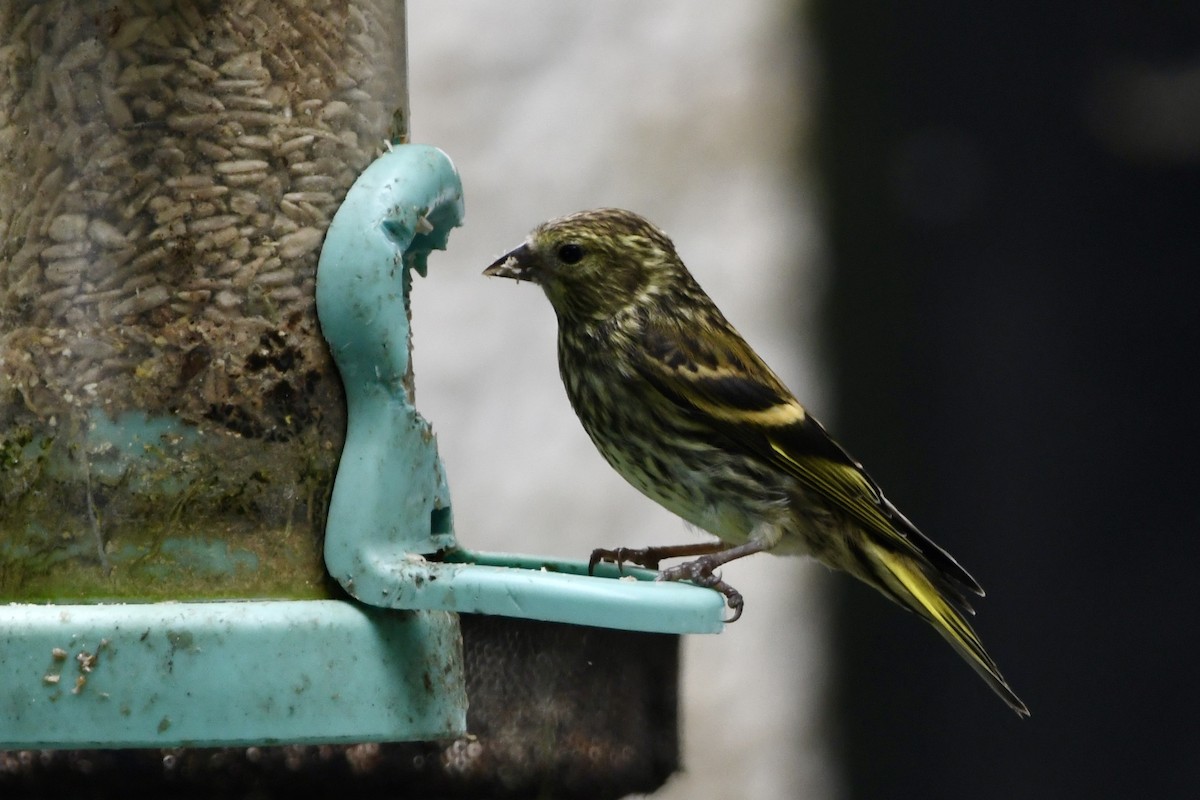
x,y
390,537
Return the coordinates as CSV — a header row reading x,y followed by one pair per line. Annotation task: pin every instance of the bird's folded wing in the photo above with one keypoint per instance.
x,y
716,379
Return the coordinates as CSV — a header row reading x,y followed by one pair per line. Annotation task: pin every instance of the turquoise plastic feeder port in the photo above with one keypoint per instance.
x,y
170,419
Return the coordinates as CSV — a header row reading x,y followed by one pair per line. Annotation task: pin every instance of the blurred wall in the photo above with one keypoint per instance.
x,y
1013,194
689,113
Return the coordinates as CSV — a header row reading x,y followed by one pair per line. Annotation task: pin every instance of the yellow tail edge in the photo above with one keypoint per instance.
x,y
905,580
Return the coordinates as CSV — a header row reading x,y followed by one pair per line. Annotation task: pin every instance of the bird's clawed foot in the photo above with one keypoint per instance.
x,y
700,572
647,557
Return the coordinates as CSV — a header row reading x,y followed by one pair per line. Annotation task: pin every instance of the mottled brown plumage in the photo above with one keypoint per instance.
x,y
683,409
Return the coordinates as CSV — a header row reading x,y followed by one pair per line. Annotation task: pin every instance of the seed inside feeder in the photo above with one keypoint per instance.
x,y
167,173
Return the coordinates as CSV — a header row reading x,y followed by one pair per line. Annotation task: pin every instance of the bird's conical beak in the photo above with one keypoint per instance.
x,y
518,264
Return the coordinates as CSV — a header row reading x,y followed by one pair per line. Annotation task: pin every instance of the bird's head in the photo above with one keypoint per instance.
x,y
594,264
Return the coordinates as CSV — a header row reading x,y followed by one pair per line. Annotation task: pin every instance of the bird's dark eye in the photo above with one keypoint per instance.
x,y
570,253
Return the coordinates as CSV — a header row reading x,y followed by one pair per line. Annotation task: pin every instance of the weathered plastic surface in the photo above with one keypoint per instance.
x,y
227,673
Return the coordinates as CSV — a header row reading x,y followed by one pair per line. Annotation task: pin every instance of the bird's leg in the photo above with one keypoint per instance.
x,y
649,557
700,572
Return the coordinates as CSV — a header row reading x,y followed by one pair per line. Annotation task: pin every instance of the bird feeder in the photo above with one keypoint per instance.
x,y
223,525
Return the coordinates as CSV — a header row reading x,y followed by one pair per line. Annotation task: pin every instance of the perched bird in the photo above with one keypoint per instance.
x,y
685,411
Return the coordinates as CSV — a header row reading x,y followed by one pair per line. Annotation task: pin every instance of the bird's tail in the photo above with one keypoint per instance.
x,y
904,580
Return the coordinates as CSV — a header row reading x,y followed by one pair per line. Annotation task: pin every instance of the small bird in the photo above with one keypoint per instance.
x,y
684,410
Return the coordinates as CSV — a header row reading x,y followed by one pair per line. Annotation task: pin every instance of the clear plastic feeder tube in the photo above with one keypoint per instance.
x,y
170,418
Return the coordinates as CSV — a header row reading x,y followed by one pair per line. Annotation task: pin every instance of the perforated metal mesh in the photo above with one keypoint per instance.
x,y
556,711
